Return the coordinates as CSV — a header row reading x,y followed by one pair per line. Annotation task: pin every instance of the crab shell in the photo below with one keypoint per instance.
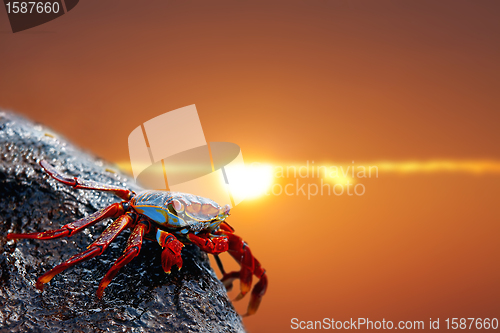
x,y
180,211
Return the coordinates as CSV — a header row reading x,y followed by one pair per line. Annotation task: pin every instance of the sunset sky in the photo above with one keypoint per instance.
x,y
411,87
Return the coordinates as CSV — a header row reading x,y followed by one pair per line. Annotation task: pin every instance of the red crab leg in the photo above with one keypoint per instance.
x,y
70,229
83,184
214,245
224,226
171,254
133,248
240,251
93,250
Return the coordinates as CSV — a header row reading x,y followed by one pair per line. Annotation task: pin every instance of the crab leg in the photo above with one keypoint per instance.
x,y
70,229
133,248
240,251
171,254
214,245
83,184
95,249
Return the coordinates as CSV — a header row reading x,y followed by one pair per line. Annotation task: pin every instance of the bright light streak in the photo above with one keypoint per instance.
x,y
340,179
438,166
259,178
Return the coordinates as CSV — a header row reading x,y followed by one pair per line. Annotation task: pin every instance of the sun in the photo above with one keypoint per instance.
x,y
256,182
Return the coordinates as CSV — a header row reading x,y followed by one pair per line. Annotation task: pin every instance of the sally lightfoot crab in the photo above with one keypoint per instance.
x,y
172,219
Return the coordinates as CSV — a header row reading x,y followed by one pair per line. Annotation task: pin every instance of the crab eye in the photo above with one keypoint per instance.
x,y
227,208
176,204
224,211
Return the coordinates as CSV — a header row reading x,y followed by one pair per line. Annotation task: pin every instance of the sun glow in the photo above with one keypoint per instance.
x,y
258,180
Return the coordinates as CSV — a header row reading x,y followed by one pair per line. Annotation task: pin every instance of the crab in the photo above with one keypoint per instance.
x,y
172,219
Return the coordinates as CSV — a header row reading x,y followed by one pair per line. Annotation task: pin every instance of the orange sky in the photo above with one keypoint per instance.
x,y
296,81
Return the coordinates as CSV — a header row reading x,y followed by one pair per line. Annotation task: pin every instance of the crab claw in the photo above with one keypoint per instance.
x,y
171,254
172,248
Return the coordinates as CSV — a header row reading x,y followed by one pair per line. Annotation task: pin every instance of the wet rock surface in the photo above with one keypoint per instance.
x,y
141,298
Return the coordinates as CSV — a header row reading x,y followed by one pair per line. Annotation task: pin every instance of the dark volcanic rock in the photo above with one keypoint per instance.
x,y
141,298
